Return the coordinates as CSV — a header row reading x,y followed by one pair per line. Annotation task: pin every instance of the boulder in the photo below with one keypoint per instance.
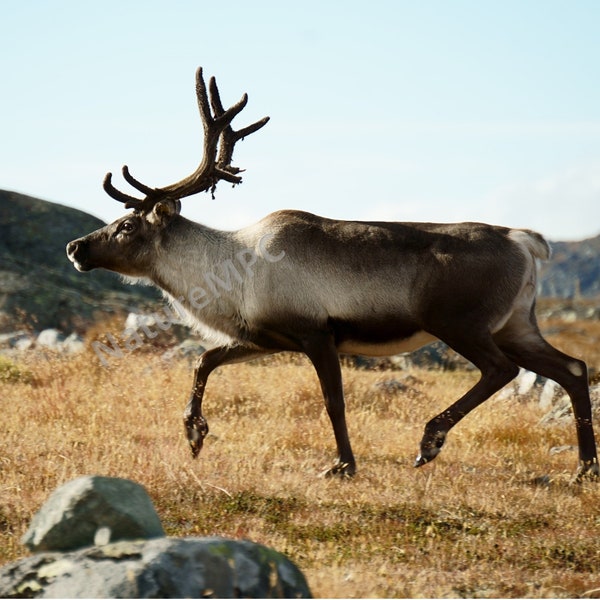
x,y
73,344
53,339
158,568
100,537
13,338
50,338
90,510
530,387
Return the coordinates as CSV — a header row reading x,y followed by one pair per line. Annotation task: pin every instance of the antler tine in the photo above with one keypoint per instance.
x,y
138,185
222,115
215,98
202,99
240,134
229,136
113,192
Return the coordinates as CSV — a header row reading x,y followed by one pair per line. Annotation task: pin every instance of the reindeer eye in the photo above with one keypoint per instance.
x,y
126,227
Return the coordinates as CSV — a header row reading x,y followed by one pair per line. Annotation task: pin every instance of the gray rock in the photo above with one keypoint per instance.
x,y
528,386
403,384
135,321
50,338
560,449
548,393
159,568
11,339
91,507
562,411
24,343
525,382
391,386
189,348
72,344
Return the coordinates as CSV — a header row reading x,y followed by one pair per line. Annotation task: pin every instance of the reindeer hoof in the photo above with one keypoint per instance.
x,y
588,471
195,447
340,470
420,461
431,445
196,429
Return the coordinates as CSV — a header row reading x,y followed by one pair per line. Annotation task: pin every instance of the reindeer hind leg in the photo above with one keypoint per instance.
x,y
496,371
521,340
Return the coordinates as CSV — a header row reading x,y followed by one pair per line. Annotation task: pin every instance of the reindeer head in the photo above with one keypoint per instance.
x,y
125,246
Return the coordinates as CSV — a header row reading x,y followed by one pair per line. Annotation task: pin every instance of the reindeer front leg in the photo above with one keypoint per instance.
x,y
195,424
320,349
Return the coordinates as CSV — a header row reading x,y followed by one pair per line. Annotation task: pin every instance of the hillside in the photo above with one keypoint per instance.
x,y
573,271
38,285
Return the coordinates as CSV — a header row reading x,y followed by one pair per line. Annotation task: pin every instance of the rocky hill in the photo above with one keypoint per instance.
x,y
38,285
573,271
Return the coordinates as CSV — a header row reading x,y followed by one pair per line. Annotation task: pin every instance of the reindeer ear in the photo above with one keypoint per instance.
x,y
164,211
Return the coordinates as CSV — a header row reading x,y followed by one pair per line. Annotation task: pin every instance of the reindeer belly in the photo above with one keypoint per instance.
x,y
387,348
378,338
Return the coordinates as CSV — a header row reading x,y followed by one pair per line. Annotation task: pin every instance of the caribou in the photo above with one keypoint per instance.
x,y
335,287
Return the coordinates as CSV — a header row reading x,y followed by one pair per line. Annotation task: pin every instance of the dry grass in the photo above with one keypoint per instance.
x,y
473,523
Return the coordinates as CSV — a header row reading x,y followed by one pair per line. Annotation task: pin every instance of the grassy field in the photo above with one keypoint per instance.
x,y
494,515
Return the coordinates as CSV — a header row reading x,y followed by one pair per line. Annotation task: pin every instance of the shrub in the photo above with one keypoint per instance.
x,y
10,372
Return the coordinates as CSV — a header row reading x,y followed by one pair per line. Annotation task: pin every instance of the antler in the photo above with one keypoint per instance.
x,y
219,142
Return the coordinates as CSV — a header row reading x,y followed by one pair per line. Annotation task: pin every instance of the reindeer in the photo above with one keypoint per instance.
x,y
368,288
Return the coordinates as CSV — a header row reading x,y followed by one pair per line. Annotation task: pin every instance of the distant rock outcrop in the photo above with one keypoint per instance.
x,y
573,271
77,556
38,285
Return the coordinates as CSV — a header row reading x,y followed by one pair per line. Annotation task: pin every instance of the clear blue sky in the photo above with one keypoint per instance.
x,y
404,110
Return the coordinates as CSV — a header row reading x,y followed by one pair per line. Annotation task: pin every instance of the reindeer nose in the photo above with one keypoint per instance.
x,y
72,247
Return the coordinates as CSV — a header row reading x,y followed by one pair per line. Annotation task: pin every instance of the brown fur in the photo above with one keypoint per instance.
x,y
299,282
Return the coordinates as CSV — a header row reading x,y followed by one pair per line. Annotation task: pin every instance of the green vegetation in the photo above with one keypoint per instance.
x,y
11,372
